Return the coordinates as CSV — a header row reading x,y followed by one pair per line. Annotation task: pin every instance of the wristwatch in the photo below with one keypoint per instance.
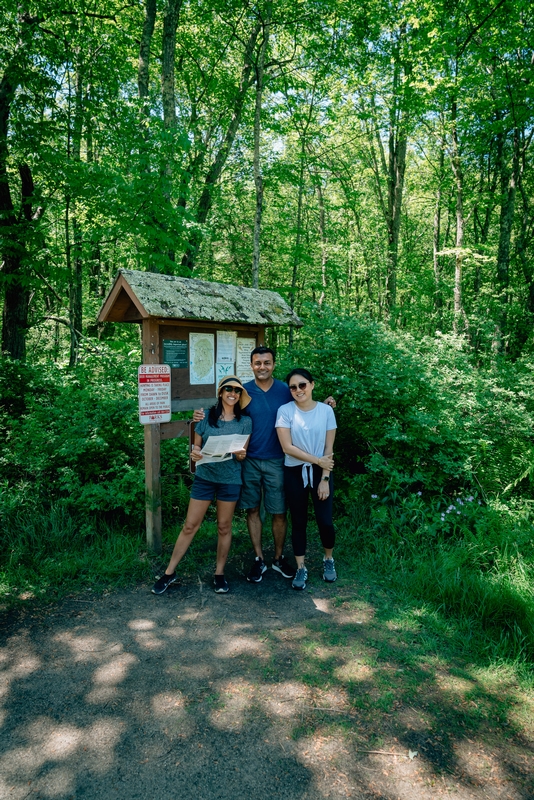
x,y
325,478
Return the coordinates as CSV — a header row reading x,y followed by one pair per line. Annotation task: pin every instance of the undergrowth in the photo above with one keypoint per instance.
x,y
471,561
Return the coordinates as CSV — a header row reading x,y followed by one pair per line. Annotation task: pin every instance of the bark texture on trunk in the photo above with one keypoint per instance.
x,y
322,233
14,223
436,239
509,176
168,95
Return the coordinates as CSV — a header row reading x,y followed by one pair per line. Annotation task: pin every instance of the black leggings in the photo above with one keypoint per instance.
x,y
297,500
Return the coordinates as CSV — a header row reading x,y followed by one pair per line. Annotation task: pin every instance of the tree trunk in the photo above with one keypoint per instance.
x,y
322,233
398,144
143,69
523,331
216,168
392,168
13,227
168,95
298,237
508,178
458,178
258,177
436,243
76,263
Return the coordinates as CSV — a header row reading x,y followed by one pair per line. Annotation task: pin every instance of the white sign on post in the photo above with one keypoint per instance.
x,y
154,388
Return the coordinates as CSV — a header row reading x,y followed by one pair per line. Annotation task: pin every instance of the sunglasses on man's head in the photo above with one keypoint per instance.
x,y
234,389
295,386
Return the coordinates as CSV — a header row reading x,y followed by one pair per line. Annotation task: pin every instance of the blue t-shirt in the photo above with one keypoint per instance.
x,y
263,410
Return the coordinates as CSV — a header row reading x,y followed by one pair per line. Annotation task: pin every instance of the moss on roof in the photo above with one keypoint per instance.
x,y
187,298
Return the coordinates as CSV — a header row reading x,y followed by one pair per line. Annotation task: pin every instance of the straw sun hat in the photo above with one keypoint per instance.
x,y
233,380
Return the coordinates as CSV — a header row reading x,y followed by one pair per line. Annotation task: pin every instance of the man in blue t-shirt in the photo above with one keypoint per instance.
x,y
263,469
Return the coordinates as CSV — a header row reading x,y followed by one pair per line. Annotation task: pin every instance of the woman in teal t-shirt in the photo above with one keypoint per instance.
x,y
221,481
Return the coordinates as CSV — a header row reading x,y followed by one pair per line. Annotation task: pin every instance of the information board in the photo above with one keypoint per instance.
x,y
154,389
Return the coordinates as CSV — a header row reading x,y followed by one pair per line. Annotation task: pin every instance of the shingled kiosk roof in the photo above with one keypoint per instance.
x,y
138,295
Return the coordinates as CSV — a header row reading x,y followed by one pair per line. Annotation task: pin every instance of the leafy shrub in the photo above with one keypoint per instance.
x,y
74,438
418,414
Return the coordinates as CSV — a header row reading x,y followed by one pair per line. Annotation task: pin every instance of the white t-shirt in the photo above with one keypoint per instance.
x,y
308,428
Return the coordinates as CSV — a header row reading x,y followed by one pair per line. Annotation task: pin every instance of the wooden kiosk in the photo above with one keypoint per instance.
x,y
178,315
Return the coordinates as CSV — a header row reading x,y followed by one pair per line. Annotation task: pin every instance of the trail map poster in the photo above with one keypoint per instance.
x,y
201,358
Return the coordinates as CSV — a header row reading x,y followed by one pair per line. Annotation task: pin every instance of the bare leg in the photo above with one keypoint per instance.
x,y
328,553
225,512
254,529
300,561
195,514
279,533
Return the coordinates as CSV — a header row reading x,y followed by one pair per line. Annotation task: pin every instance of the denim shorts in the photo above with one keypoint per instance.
x,y
263,476
208,490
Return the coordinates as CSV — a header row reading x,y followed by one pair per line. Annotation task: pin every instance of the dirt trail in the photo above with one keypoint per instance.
x,y
261,693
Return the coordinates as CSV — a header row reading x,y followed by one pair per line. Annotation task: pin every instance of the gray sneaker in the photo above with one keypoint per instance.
x,y
299,581
329,570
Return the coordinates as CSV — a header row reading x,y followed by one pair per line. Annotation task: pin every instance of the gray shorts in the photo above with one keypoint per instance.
x,y
263,476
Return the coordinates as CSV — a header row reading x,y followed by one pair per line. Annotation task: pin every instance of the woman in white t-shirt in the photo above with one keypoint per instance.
x,y
307,430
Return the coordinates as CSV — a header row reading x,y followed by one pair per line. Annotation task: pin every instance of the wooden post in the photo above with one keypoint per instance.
x,y
152,448
153,487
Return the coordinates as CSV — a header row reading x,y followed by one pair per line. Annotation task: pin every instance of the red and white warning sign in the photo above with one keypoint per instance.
x,y
154,384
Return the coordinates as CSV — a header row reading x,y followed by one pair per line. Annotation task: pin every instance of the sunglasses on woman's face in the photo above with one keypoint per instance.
x,y
295,386
233,389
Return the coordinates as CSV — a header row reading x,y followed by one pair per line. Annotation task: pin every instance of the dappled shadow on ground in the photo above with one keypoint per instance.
x,y
264,692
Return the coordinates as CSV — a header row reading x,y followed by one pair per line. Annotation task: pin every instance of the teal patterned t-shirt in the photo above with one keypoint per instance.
x,y
227,471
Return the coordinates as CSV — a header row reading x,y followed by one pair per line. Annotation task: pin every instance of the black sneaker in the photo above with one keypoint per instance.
x,y
163,583
257,570
283,567
221,584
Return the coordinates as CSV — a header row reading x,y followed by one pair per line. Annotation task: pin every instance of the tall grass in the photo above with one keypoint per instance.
x,y
48,554
475,565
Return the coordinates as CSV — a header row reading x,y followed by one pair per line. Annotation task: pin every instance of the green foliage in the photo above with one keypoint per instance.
x,y
74,437
416,414
471,561
44,555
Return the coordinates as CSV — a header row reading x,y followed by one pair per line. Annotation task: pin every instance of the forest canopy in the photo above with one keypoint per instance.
x,y
373,157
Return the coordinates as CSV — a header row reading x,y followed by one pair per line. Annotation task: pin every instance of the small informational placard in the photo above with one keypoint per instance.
x,y
242,365
222,370
154,390
176,353
226,347
201,358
